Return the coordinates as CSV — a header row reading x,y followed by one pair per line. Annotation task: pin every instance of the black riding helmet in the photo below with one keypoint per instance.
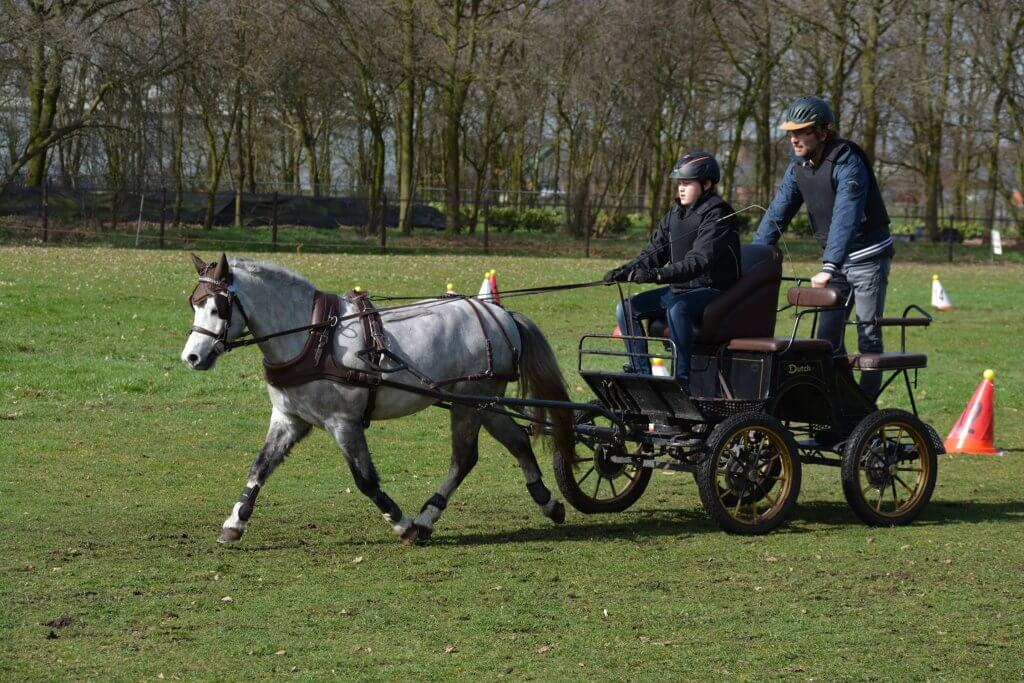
x,y
807,111
699,166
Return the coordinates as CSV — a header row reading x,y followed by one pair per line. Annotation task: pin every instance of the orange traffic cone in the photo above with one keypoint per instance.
x,y
972,433
616,332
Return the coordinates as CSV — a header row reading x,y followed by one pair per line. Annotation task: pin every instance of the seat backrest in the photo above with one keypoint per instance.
x,y
747,309
813,297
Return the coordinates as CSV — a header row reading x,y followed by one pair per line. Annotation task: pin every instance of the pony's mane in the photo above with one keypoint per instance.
x,y
269,272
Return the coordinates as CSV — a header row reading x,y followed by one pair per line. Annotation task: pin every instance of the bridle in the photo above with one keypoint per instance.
x,y
225,298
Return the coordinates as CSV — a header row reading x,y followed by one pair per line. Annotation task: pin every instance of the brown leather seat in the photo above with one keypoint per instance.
x,y
876,362
777,344
747,309
814,297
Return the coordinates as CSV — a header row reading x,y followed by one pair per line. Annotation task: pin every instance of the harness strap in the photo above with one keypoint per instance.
x,y
316,360
373,333
488,373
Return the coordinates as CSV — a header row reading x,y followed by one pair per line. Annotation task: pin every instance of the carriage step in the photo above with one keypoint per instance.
x,y
653,464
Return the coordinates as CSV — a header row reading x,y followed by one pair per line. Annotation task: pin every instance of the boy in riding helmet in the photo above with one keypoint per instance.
x,y
694,251
833,178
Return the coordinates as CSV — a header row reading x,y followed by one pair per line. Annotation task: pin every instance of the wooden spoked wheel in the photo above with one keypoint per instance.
x,y
594,483
750,479
889,468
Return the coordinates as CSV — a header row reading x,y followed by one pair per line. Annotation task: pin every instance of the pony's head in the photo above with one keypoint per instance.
x,y
218,315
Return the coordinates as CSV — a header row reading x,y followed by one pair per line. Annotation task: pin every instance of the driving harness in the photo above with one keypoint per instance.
x,y
316,359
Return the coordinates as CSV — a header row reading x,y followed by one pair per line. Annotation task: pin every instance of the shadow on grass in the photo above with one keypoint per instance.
x,y
806,518
640,525
623,526
837,514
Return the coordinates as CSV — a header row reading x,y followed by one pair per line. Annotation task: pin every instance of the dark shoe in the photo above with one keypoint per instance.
x,y
629,369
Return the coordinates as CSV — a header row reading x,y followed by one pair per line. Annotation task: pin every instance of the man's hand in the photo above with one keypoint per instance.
x,y
821,279
620,274
642,275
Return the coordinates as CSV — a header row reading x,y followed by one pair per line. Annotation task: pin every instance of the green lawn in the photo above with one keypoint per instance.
x,y
118,465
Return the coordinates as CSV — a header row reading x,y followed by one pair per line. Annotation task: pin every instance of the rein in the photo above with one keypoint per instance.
x,y
225,289
526,291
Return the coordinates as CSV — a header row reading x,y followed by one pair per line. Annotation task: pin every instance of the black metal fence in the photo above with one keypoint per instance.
x,y
495,221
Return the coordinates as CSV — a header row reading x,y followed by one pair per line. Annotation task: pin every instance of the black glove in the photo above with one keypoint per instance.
x,y
642,275
620,274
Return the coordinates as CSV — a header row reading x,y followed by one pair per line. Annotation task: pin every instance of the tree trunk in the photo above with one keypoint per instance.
x,y
213,170
763,187
375,213
303,128
869,81
452,169
731,159
250,145
406,160
656,178
177,154
515,176
44,92
933,164
239,170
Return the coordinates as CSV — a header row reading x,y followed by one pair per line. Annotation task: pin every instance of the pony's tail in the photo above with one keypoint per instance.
x,y
540,377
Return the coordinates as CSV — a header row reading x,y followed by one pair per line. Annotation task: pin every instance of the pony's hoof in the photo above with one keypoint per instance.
x,y
558,513
416,535
229,535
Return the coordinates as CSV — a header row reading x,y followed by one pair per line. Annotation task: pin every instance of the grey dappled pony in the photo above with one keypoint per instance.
x,y
441,338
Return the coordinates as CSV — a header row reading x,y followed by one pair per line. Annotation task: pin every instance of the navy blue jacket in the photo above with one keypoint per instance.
x,y
850,236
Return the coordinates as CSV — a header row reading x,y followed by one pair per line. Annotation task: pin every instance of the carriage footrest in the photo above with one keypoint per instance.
x,y
877,362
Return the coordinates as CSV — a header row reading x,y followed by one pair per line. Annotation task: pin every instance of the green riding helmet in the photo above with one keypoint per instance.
x,y
697,166
807,111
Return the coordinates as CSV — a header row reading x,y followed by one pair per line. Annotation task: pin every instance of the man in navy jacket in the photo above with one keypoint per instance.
x,y
833,177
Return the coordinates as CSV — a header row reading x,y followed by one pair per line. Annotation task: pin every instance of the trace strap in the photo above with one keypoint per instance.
x,y
505,294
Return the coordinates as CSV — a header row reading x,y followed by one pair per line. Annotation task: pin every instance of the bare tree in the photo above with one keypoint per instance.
x,y
50,37
748,35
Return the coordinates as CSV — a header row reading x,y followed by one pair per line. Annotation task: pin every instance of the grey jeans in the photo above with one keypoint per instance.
x,y
869,280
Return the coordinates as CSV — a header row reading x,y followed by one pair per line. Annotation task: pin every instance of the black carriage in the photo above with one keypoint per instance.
x,y
759,407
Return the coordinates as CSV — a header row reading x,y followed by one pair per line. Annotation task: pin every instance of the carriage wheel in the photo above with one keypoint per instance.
x,y
595,484
889,468
750,479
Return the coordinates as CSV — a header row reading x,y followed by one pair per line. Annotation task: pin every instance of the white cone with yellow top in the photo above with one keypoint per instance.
x,y
940,300
489,288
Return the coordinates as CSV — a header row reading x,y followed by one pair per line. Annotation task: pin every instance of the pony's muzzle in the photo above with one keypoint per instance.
x,y
194,362
197,361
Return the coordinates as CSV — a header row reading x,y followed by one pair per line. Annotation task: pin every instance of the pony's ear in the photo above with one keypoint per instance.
x,y
199,263
221,271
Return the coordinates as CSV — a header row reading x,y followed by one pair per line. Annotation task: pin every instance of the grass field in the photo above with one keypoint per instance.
x,y
118,465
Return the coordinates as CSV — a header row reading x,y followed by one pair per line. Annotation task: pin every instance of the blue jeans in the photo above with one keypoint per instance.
x,y
869,281
683,310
